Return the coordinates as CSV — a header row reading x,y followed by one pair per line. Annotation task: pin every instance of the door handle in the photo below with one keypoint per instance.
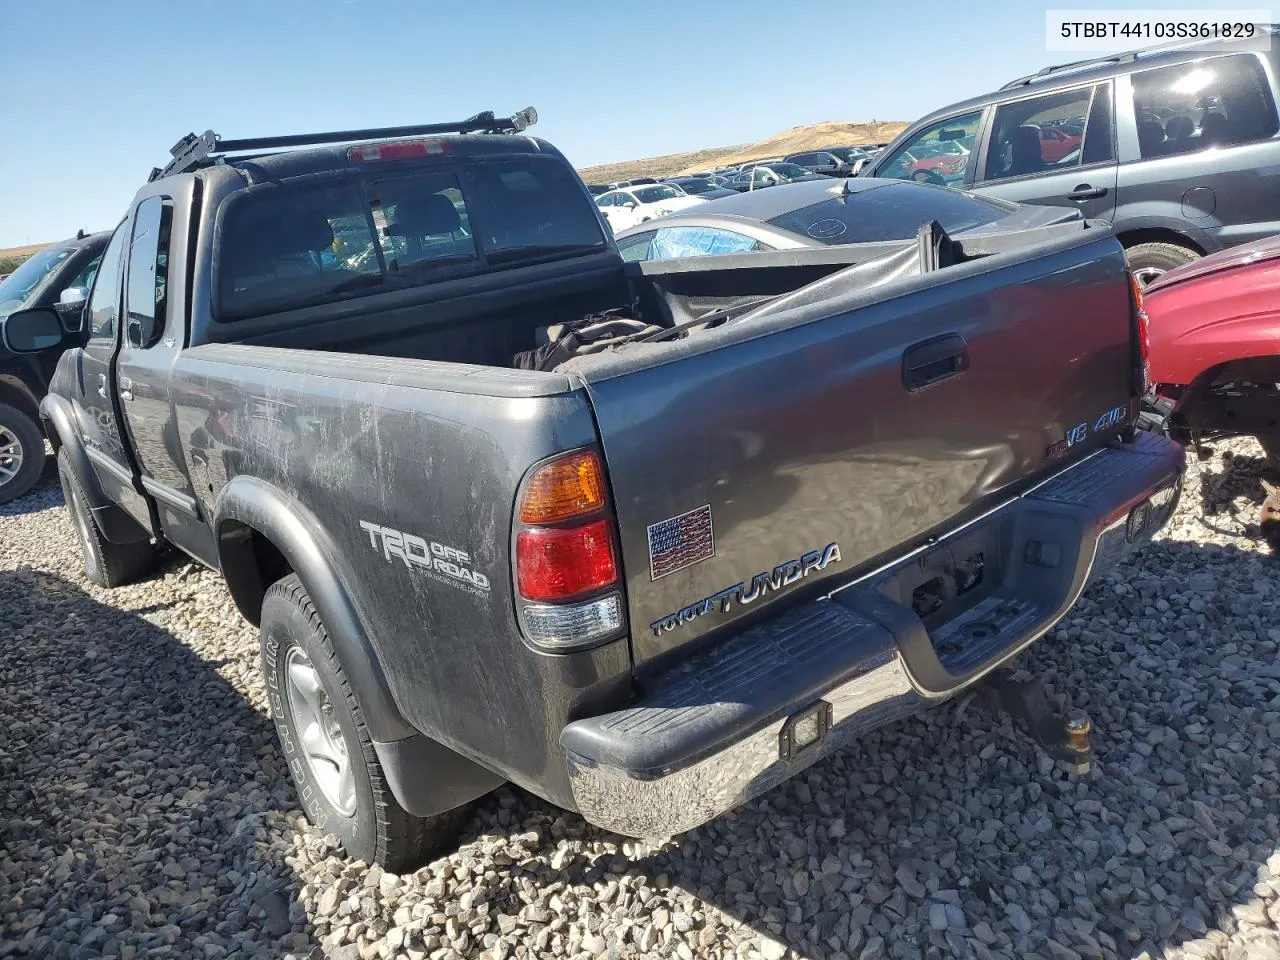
x,y
1087,192
126,388
102,385
932,361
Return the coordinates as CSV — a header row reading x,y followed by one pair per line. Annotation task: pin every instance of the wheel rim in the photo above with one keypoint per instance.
x,y
323,745
11,455
1145,275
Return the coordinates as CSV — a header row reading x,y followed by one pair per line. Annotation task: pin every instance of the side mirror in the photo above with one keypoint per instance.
x,y
630,204
32,331
70,308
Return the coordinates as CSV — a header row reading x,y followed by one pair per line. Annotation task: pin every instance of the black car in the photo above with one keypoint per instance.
x,y
822,212
57,276
598,189
825,162
704,187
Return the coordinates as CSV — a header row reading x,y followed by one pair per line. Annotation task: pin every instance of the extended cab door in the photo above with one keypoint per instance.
x,y
153,335
1056,149
95,400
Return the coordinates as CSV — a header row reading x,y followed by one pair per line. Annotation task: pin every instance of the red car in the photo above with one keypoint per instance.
x,y
1215,346
1057,142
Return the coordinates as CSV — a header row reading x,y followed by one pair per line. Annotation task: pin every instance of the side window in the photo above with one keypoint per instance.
x,y
1206,103
673,242
937,154
146,286
1038,135
104,302
1100,131
635,249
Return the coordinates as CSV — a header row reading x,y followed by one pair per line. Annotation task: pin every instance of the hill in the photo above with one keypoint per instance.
x,y
808,137
21,253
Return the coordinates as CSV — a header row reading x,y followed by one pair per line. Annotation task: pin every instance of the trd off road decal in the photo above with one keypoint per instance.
x,y
437,560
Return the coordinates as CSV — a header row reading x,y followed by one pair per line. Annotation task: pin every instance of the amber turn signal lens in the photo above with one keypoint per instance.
x,y
572,486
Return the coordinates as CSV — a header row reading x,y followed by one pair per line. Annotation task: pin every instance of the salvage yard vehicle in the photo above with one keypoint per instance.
x,y
820,213
646,582
1167,144
58,277
1215,357
625,208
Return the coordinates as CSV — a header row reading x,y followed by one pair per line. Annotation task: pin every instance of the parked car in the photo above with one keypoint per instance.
x,y
636,181
705,188
1171,142
467,567
598,189
770,175
57,277
822,161
855,157
624,208
817,213
1215,357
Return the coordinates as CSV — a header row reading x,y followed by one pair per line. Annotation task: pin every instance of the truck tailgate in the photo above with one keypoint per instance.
x,y
757,462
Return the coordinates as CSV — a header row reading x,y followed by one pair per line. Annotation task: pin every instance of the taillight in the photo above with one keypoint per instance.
x,y
1144,332
398,150
564,563
566,567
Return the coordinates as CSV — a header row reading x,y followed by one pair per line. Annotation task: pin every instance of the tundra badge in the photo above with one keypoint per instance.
x,y
744,592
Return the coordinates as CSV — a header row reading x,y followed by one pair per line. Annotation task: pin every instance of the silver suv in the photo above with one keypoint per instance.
x,y
1177,147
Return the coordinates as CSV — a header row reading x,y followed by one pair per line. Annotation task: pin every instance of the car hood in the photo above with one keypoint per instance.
x,y
1246,253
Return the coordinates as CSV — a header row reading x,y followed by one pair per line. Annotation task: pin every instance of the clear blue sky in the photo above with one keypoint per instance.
x,y
95,93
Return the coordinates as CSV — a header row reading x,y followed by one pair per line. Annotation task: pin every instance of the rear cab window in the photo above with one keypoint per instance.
x,y
892,212
319,239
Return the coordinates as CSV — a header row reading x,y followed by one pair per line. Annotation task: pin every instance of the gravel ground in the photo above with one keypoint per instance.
x,y
144,810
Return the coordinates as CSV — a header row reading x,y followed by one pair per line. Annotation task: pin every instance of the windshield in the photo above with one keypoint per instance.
x,y
889,213
26,283
789,169
657,194
312,241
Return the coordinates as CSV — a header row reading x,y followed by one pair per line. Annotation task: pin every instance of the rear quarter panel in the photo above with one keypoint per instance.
x,y
363,442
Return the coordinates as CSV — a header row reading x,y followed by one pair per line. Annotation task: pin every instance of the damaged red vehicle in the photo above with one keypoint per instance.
x,y
1215,346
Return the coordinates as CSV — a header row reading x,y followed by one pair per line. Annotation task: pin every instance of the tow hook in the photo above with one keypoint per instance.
x,y
1064,738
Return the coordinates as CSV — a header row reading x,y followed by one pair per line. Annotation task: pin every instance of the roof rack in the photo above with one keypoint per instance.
x,y
193,152
1126,57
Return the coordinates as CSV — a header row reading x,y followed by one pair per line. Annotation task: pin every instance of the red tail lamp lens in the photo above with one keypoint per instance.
x,y
561,563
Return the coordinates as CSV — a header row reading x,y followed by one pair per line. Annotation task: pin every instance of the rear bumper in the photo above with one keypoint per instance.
x,y
741,717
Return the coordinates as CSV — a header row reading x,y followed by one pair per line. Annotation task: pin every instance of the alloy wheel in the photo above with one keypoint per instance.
x,y
323,744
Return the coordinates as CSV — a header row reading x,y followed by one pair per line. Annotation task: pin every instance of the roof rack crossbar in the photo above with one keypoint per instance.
x,y
192,152
1126,57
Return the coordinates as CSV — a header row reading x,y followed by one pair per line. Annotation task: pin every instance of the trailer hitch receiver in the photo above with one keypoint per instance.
x,y
1064,738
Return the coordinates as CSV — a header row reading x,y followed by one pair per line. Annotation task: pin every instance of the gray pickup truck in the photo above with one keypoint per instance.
x,y
645,578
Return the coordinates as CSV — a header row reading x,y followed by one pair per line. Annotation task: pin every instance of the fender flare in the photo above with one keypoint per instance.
x,y
58,419
298,535
426,777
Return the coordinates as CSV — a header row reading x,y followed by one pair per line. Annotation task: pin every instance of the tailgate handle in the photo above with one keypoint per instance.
x,y
933,361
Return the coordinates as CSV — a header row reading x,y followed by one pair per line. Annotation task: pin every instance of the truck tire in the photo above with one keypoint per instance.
x,y
21,453
105,563
340,783
1149,260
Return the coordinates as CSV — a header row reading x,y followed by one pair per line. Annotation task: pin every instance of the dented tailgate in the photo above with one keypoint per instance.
x,y
752,471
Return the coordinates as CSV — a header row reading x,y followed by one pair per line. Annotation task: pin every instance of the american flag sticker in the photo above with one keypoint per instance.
x,y
680,542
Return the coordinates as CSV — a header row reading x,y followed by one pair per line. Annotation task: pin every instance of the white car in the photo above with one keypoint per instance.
x,y
625,208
